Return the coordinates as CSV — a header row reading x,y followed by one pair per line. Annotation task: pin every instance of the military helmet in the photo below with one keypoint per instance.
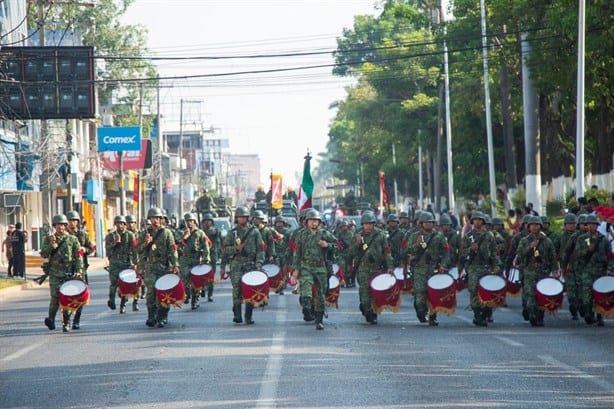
x,y
592,219
367,217
570,218
487,219
155,212
582,218
403,215
190,216
130,219
73,215
445,220
280,219
545,220
392,218
208,216
164,214
344,222
59,219
478,215
119,219
241,212
496,221
535,220
313,214
417,215
259,214
526,218
426,217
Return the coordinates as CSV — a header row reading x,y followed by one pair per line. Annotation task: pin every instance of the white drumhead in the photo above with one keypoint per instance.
x,y
201,269
383,282
514,275
549,286
73,287
254,278
454,272
333,282
604,285
440,281
128,276
271,270
398,273
167,282
335,268
492,283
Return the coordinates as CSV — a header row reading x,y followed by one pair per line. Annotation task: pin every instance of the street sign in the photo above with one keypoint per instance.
x,y
119,139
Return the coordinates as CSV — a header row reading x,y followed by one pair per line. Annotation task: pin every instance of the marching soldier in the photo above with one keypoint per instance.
x,y
311,266
453,238
281,246
346,238
565,249
243,251
427,251
259,220
132,226
120,246
215,250
371,255
536,261
511,258
157,256
404,222
87,248
195,250
395,238
65,262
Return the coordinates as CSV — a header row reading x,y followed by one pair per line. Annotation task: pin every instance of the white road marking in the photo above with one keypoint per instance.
x,y
577,372
267,397
21,352
509,341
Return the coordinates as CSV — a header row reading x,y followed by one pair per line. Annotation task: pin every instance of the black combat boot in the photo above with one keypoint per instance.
x,y
589,316
111,302
307,305
481,318
76,321
162,317
582,310
151,317
195,301
371,317
210,293
236,310
135,304
49,323
488,313
319,319
433,320
574,312
122,305
540,319
249,309
187,295
600,322
65,321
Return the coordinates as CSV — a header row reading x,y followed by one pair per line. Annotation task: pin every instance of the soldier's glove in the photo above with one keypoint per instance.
x,y
258,266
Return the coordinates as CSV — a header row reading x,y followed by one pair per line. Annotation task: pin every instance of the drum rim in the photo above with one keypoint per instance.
x,y
199,267
491,277
334,277
549,279
440,275
167,277
258,272
80,285
604,279
383,276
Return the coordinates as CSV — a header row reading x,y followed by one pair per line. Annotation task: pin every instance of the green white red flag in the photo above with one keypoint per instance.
x,y
306,191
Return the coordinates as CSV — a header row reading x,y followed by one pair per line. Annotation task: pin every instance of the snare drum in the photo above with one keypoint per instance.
x,y
512,285
73,295
276,277
201,275
460,284
406,284
491,291
332,295
129,283
255,288
603,296
441,293
170,290
385,293
549,294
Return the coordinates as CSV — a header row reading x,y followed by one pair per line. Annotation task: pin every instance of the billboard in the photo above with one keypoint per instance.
x,y
119,138
140,159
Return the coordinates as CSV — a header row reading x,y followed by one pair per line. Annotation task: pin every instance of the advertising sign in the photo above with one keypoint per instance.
x,y
140,159
119,138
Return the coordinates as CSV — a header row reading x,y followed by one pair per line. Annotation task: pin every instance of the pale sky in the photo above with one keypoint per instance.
x,y
275,115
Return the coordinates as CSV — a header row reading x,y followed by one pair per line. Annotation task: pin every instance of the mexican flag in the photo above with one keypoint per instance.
x,y
304,194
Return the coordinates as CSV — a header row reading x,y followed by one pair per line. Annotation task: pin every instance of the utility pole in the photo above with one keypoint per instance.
x,y
580,104
46,151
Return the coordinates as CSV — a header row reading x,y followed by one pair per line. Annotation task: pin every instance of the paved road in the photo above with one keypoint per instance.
x,y
203,360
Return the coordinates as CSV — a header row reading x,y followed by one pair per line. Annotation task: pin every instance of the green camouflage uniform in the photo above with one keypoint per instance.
x,y
121,256
194,251
592,250
345,255
568,259
281,246
395,238
268,237
87,249
215,252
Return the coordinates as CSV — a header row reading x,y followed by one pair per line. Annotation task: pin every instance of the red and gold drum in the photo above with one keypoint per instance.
x,y
170,290
129,283
441,293
73,295
406,284
385,293
255,288
512,284
276,278
201,275
491,290
458,280
603,296
332,295
549,294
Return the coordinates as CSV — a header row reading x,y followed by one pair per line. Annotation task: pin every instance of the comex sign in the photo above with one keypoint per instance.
x,y
119,138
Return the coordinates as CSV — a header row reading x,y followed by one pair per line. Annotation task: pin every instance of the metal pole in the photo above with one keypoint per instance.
x,y
160,150
491,156
451,201
420,192
580,104
68,167
122,191
394,163
180,150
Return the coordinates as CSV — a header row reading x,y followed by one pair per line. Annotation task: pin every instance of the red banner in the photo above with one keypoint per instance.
x,y
277,201
131,159
383,190
137,189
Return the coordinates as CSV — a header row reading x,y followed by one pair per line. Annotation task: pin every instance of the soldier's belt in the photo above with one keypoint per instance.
x,y
314,263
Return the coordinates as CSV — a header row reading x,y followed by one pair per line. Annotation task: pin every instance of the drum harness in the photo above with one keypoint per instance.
x,y
250,265
364,248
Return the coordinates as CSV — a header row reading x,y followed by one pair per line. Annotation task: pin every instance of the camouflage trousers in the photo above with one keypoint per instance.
x,y
185,267
153,305
474,273
364,291
54,291
589,275
114,279
529,280
310,276
573,287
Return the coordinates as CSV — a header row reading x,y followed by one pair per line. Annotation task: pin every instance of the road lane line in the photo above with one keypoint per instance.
x,y
577,372
267,397
21,352
508,341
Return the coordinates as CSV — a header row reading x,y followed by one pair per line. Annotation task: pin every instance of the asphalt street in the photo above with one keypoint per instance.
x,y
203,360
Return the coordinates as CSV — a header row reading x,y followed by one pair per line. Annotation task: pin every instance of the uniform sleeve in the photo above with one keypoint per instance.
x,y
206,253
77,254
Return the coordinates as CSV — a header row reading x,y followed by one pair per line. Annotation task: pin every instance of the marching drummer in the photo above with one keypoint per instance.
x,y
195,250
428,253
65,262
536,261
215,249
243,249
371,255
120,246
157,255
565,248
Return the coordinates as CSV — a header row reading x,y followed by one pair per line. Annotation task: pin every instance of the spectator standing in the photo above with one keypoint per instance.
x,y
7,249
19,238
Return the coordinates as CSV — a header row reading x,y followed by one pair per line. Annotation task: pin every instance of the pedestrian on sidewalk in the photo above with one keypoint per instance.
x,y
7,249
19,238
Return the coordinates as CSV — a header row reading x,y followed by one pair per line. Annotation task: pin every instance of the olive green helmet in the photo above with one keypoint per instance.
x,y
259,214
426,217
130,219
417,215
313,214
496,221
445,220
545,220
367,217
155,212
119,219
570,218
403,215
535,220
592,219
526,218
73,215
59,219
189,216
208,216
582,218
242,212
392,218
279,219
478,215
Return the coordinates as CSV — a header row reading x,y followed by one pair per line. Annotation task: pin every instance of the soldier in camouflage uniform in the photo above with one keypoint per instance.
x,y
564,248
120,247
132,225
215,250
65,262
479,258
427,253
511,258
593,249
404,223
310,267
536,261
242,249
395,238
157,254
453,238
345,237
195,250
281,245
268,234
87,248
371,255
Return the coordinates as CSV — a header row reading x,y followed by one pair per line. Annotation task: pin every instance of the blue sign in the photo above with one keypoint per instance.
x,y
119,138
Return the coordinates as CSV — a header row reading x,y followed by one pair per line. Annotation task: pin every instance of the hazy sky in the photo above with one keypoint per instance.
x,y
275,115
